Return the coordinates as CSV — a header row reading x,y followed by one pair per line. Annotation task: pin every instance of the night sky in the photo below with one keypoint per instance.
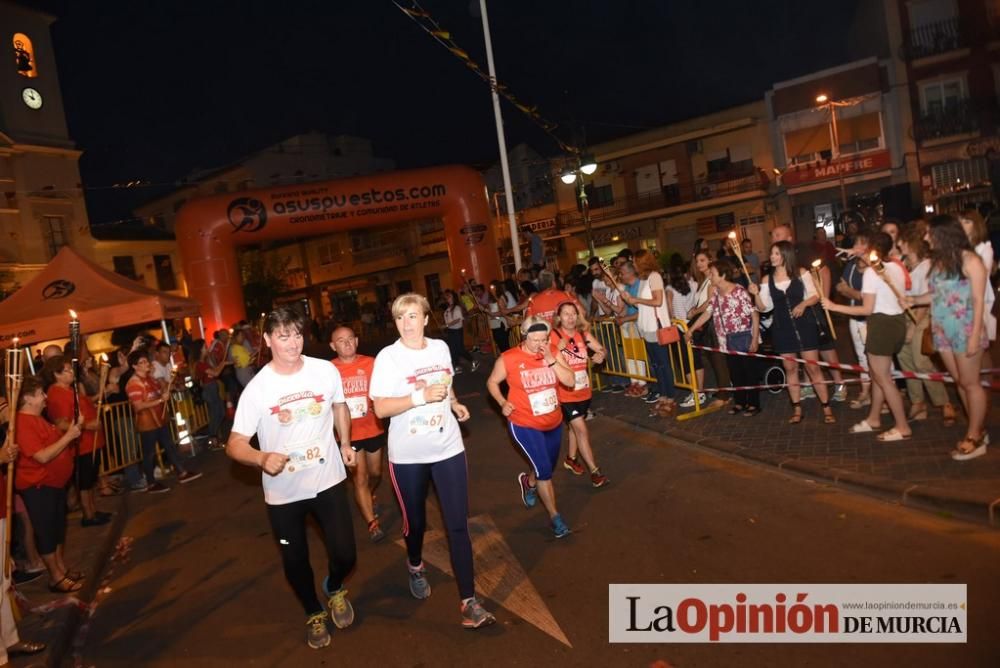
x,y
155,89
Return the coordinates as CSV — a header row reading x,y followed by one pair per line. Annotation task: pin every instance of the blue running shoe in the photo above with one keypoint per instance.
x,y
559,527
528,493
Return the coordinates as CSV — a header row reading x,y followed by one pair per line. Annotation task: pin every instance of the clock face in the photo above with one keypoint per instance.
x,y
32,98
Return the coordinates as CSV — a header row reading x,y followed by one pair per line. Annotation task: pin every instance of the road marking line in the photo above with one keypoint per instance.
x,y
499,575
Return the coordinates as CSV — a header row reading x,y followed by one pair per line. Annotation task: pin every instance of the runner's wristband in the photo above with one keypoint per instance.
x,y
417,397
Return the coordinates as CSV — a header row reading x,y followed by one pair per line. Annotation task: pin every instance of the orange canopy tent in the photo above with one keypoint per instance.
x,y
102,299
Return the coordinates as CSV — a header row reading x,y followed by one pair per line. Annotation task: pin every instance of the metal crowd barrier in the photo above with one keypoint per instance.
x,y
626,357
122,448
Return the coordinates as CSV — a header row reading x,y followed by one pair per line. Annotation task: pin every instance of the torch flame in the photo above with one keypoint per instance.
x,y
817,263
104,358
732,235
72,314
16,340
873,257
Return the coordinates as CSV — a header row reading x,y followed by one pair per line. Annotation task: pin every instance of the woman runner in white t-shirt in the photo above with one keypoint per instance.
x,y
412,384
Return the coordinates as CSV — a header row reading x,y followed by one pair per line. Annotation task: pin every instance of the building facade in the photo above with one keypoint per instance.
x,y
664,189
949,52
840,144
42,206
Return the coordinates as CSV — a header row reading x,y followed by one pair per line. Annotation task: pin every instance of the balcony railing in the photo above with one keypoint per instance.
x,y
673,195
955,119
934,38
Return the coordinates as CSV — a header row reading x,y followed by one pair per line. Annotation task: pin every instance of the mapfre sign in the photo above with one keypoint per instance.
x,y
849,166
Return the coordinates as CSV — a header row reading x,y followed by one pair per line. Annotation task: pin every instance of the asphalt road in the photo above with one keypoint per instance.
x,y
204,584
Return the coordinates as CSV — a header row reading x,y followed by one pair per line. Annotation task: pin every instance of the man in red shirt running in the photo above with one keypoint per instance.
x,y
548,299
367,433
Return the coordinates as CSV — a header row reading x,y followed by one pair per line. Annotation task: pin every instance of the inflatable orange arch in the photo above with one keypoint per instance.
x,y
209,229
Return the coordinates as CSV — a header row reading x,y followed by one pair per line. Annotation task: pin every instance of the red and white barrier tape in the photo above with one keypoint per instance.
x,y
856,368
774,386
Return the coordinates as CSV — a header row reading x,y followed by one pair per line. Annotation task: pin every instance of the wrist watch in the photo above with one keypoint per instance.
x,y
355,448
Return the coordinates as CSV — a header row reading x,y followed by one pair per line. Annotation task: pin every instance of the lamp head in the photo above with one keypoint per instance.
x,y
568,177
588,165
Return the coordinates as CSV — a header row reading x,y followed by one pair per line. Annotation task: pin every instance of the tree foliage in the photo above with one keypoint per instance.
x,y
263,275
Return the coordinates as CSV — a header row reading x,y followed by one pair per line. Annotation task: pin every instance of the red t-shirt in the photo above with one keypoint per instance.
x,y
545,303
575,355
355,377
145,389
35,433
532,386
59,406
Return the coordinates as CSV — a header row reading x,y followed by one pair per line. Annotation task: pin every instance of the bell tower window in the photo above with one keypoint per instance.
x,y
24,56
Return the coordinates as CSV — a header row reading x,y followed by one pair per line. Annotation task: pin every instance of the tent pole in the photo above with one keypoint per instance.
x,y
201,326
166,333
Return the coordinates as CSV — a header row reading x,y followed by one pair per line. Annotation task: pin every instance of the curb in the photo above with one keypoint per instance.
x,y
68,619
969,507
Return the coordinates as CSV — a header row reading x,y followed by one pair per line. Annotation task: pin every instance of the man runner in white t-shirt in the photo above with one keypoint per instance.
x,y
292,405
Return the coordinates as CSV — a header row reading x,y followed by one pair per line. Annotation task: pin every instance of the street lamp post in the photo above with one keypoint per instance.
x,y
585,164
824,101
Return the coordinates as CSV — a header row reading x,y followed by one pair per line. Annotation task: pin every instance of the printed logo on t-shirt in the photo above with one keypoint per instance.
x,y
354,385
311,407
533,379
432,375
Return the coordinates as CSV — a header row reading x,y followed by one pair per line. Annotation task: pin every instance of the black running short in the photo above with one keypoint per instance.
x,y
574,410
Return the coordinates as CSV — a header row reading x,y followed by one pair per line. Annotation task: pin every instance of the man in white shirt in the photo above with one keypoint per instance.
x,y
292,405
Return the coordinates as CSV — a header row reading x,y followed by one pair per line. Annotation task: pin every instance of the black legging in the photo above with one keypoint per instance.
x,y
288,522
451,480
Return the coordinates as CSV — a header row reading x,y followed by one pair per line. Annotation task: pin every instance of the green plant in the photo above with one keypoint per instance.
x,y
263,277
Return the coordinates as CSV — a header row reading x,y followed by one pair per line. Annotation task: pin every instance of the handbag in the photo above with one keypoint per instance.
x,y
927,340
666,335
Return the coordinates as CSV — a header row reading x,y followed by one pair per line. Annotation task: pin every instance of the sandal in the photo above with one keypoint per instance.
x,y
751,411
796,413
949,414
969,448
892,435
734,409
860,402
77,576
862,428
918,411
828,417
25,648
65,586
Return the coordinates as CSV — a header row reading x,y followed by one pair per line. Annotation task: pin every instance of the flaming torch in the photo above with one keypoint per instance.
x,y
818,280
14,378
876,263
738,252
74,344
103,368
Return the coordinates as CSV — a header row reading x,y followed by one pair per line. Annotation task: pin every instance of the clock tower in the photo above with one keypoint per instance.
x,y
31,108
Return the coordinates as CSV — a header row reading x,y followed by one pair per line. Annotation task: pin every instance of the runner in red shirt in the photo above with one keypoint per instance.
x,y
570,339
548,299
44,466
533,373
366,429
